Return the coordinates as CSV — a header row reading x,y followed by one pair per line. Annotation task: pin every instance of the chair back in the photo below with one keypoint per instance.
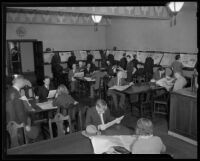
x,y
12,128
59,119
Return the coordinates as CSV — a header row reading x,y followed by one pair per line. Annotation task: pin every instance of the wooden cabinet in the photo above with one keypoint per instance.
x,y
183,113
25,57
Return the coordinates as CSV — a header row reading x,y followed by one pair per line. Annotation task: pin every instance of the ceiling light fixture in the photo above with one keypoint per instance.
x,y
96,19
175,7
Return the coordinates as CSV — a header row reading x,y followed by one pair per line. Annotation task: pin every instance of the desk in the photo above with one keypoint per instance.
x,y
84,82
183,115
74,143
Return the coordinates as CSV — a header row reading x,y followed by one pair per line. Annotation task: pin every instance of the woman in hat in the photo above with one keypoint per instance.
x,y
146,142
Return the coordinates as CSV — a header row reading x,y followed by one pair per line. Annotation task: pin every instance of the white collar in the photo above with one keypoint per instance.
x,y
16,88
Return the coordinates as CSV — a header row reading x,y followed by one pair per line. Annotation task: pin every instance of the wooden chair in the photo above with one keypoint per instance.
x,y
59,119
146,105
161,104
12,128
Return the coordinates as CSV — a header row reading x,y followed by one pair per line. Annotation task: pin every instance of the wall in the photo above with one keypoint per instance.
x,y
144,34
61,37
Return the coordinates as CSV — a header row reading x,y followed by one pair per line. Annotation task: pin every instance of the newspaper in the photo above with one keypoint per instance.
x,y
120,88
102,143
89,79
79,74
46,105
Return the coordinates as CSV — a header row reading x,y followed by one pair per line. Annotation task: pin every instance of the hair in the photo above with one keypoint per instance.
x,y
161,68
46,77
62,89
177,57
17,77
124,54
101,104
134,56
128,56
144,127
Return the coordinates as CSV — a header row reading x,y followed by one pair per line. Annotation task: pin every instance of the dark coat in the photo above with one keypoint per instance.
x,y
148,65
63,100
15,109
93,118
123,63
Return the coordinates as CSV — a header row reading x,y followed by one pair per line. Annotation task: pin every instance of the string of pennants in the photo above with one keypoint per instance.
x,y
162,58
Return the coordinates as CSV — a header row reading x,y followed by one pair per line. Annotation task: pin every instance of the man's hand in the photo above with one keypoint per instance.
x,y
101,127
28,128
75,102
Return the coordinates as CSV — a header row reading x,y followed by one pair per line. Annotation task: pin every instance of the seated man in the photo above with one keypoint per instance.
x,y
15,108
72,80
139,71
42,92
88,70
119,81
98,115
97,76
81,67
159,74
180,81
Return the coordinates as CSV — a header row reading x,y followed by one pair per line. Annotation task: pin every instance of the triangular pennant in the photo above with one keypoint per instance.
x,y
30,16
14,16
74,19
144,9
46,17
129,10
137,11
158,10
22,17
61,18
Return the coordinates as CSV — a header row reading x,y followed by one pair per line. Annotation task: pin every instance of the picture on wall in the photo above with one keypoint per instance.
x,y
83,54
64,56
96,54
47,57
188,60
167,59
118,55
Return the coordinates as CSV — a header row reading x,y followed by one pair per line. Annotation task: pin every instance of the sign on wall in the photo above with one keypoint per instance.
x,y
47,57
64,56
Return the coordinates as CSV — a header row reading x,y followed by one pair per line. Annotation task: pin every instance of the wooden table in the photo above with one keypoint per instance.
x,y
183,115
83,83
74,143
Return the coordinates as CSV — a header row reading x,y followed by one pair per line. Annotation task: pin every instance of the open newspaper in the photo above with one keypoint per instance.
x,y
120,88
79,74
46,105
105,144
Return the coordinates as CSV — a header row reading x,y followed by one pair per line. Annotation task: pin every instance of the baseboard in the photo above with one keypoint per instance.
x,y
193,142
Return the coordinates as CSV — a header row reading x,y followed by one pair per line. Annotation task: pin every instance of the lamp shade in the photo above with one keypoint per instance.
x,y
96,18
175,6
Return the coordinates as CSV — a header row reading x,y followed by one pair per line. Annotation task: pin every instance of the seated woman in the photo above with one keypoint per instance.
x,y
72,80
65,102
88,70
180,81
98,115
42,92
145,142
119,81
